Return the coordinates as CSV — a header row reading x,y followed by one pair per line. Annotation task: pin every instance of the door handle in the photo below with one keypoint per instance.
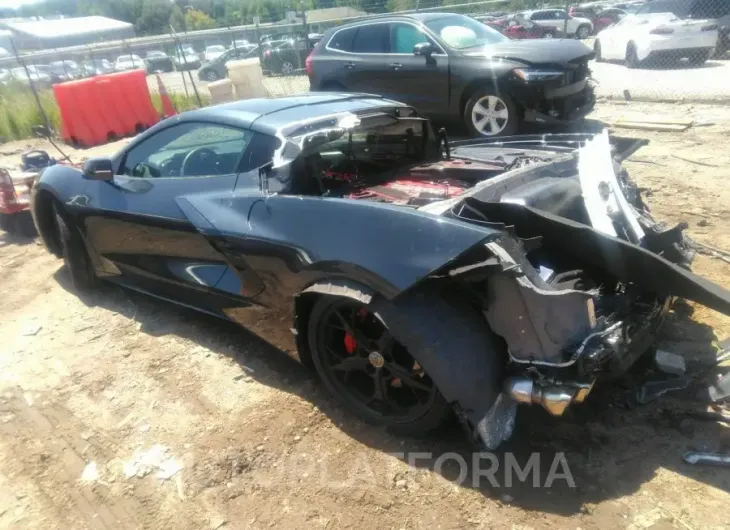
x,y
395,66
349,65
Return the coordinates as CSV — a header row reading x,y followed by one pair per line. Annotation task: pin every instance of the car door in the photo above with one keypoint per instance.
x,y
419,81
139,223
362,68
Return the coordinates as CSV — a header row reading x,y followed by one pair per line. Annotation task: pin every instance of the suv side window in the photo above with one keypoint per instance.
x,y
538,15
372,38
403,37
342,40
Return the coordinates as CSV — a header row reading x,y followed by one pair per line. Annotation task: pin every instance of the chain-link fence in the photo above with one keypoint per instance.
x,y
658,49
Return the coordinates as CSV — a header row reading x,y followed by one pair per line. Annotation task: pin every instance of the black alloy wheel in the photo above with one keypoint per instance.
x,y
366,368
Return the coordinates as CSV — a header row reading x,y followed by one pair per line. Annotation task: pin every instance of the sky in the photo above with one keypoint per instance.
x,y
15,3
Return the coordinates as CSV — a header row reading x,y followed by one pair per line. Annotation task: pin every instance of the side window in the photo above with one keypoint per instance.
x,y
541,15
403,37
187,150
342,40
372,38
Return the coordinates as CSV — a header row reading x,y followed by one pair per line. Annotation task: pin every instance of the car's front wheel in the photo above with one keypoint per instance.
x,y
211,75
74,253
488,114
548,35
583,32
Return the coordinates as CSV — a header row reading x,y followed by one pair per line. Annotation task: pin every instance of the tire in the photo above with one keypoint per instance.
x,y
211,75
417,322
6,222
583,32
597,51
286,68
480,98
548,35
24,225
632,59
74,253
699,58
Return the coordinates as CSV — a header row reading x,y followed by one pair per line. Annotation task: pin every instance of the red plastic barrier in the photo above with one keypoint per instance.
x,y
101,108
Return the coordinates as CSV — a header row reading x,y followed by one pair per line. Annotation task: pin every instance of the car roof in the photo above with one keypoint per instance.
x,y
269,116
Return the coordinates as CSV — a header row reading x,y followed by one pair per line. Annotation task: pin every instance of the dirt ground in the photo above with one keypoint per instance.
x,y
118,411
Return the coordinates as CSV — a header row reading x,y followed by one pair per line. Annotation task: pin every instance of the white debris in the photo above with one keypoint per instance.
x,y
32,329
144,428
90,473
156,458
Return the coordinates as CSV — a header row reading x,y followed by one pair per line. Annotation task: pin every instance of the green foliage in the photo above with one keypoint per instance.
x,y
195,20
19,112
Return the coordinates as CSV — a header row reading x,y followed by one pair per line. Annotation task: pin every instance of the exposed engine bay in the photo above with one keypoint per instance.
x,y
578,280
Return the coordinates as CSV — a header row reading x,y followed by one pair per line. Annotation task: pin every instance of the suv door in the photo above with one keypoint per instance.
x,y
139,223
422,82
363,67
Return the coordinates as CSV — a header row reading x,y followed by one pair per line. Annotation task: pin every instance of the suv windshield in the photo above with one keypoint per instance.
x,y
462,32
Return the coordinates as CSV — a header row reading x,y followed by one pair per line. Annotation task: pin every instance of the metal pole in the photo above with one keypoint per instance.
x,y
32,87
179,52
192,82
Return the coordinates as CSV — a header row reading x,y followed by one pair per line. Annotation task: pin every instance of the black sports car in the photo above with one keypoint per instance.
x,y
417,277
158,61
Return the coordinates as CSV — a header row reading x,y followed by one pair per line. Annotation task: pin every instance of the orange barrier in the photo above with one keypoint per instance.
x,y
99,109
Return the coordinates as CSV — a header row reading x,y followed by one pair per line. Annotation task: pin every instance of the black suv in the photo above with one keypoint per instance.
x,y
451,66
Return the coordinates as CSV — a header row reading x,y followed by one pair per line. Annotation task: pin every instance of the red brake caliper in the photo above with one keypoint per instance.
x,y
350,344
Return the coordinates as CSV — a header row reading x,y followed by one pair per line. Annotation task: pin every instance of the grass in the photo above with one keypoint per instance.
x,y
19,111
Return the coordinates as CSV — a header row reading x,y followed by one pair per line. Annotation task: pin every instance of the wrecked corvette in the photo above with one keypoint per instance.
x,y
418,277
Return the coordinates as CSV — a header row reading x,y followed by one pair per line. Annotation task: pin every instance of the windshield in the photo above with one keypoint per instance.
x,y
462,32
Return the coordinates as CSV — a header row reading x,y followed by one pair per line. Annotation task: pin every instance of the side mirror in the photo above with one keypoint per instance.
x,y
423,48
98,169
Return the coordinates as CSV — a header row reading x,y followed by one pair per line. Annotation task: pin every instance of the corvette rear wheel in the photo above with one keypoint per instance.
x,y
369,371
74,253
488,114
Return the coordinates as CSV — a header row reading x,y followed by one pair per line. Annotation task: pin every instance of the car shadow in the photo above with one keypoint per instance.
x,y
605,449
7,238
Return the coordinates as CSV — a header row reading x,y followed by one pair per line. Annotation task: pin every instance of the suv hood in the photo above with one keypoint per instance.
x,y
537,52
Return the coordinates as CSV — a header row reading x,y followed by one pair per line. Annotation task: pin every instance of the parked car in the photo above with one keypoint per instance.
x,y
518,27
437,305
630,7
37,76
716,10
452,67
158,61
216,69
97,67
61,71
128,61
287,56
213,52
241,43
188,59
558,19
660,37
607,17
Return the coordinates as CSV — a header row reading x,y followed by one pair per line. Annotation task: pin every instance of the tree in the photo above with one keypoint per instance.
x,y
195,20
155,17
177,18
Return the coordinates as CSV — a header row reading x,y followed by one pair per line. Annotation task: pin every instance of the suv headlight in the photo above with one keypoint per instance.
x,y
529,74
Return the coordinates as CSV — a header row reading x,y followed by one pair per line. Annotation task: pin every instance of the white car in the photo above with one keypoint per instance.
x,y
128,62
213,52
562,21
660,36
